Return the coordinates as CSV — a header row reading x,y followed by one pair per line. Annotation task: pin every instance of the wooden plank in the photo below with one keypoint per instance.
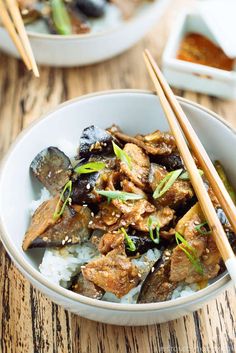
x,y
29,322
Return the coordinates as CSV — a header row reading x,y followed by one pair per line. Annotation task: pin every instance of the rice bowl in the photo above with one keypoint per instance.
x,y
135,104
84,49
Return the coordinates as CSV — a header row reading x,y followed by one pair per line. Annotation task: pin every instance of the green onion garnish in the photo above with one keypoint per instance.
x,y
90,167
60,17
166,183
153,224
130,244
200,230
60,209
192,257
119,195
185,175
122,155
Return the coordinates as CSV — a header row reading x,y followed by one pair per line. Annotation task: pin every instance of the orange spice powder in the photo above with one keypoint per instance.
x,y
200,50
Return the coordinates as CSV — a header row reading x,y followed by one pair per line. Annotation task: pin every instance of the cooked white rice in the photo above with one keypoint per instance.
x,y
44,195
61,265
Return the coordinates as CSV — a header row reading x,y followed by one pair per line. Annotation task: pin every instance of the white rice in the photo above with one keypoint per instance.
x,y
183,290
60,265
44,195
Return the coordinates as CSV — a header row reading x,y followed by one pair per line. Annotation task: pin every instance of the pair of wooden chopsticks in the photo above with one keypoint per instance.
x,y
177,121
12,21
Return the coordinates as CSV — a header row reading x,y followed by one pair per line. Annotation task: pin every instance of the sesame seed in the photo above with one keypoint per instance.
x,y
90,222
85,205
88,186
66,238
92,214
69,241
152,269
207,250
63,242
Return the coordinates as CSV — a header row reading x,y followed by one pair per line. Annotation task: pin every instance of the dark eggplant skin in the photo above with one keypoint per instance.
x,y
225,223
52,168
83,189
171,162
142,244
71,229
92,8
157,287
84,287
84,185
95,141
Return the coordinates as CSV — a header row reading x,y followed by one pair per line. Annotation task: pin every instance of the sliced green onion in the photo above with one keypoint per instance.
x,y
122,155
185,175
200,230
60,209
192,257
90,167
60,17
119,195
166,183
130,244
153,223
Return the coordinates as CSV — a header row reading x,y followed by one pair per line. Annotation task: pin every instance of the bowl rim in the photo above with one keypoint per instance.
x,y
124,24
36,276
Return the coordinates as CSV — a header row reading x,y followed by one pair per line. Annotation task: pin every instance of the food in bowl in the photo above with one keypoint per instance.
x,y
76,16
120,221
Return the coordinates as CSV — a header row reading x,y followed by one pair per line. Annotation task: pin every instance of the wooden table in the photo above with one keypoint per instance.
x,y
29,322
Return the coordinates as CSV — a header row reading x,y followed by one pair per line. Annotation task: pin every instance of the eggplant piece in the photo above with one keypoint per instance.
x,y
95,141
83,187
92,8
87,288
157,286
171,162
227,227
142,244
52,168
71,228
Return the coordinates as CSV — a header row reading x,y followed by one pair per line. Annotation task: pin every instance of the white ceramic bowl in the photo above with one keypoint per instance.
x,y
133,111
76,50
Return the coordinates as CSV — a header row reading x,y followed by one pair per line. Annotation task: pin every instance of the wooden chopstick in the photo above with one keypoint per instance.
x,y
19,24
196,180
7,22
197,148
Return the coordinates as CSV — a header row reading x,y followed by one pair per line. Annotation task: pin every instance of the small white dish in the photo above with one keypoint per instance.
x,y
135,112
84,49
191,76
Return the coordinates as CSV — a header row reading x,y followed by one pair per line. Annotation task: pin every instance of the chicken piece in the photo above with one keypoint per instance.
x,y
45,231
129,186
205,251
110,241
82,286
140,165
180,192
132,211
114,272
107,218
157,143
163,216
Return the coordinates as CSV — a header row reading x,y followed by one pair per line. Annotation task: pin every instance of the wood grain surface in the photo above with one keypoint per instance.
x,y
29,322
